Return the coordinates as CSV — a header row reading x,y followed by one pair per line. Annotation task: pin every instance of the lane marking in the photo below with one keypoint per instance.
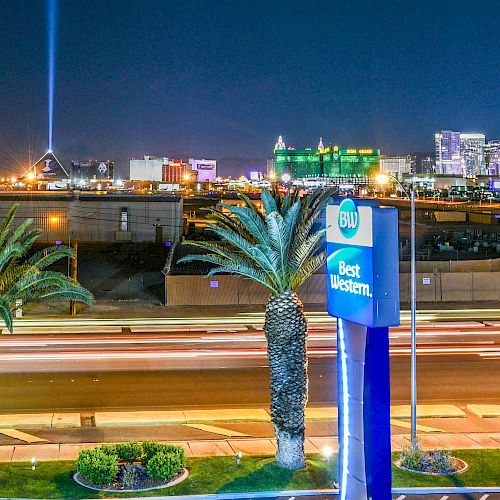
x,y
407,425
445,497
22,436
484,497
217,430
401,497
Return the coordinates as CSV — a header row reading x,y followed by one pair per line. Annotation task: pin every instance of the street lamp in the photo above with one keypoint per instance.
x,y
383,179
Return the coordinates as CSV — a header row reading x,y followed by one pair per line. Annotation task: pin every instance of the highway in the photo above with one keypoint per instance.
x,y
217,364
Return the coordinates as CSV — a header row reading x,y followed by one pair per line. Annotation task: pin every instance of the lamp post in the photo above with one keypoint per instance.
x,y
383,179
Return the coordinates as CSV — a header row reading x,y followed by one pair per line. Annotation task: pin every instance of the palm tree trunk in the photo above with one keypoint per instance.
x,y
286,332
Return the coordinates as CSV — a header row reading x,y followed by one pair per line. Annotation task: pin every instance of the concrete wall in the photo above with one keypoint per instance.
x,y
453,266
96,218
232,290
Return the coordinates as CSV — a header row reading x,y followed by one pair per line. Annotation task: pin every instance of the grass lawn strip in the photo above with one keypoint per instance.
x,y
223,475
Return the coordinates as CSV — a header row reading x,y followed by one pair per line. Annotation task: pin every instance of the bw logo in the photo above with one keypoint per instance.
x,y
348,218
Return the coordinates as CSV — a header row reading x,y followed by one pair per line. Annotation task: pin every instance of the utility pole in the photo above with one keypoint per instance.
x,y
73,274
413,323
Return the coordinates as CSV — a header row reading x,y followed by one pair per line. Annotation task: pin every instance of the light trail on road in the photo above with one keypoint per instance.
x,y
251,318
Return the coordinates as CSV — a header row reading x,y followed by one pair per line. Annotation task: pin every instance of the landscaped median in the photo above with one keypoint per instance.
x,y
225,475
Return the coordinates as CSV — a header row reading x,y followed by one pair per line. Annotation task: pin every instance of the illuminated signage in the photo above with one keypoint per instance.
x,y
354,250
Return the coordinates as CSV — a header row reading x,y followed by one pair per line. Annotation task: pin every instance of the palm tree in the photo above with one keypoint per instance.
x,y
280,249
24,279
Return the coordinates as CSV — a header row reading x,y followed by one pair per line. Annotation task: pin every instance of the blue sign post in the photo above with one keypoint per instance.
x,y
363,293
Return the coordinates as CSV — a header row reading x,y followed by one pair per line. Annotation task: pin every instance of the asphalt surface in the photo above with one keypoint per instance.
x,y
453,378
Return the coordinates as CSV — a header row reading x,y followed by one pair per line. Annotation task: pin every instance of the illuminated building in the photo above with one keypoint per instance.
x,y
207,169
331,162
397,165
472,154
177,171
492,156
92,170
448,152
48,168
459,154
148,169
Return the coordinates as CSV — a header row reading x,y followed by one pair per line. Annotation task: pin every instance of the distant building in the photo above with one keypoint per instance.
x,y
448,159
426,164
206,169
177,171
492,157
92,170
91,217
48,168
458,153
331,162
472,154
397,165
148,169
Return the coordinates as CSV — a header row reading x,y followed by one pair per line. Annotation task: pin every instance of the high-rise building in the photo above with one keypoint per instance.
x,y
425,163
397,165
492,157
448,153
322,162
92,170
177,171
148,169
472,154
458,153
207,169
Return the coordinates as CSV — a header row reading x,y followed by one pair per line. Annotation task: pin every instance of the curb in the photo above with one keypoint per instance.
x,y
446,489
245,496
300,493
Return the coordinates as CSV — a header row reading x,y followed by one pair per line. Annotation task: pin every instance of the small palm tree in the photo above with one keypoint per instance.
x,y
280,249
24,279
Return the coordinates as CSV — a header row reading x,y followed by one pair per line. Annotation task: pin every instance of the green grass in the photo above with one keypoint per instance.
x,y
223,475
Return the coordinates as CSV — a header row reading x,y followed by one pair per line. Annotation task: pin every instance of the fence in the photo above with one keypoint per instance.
x,y
232,290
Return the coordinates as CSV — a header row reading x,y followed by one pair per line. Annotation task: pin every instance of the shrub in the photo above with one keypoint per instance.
x,y
97,467
109,449
414,458
164,466
128,452
151,448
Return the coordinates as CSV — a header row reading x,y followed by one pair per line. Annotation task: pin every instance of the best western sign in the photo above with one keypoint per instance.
x,y
363,263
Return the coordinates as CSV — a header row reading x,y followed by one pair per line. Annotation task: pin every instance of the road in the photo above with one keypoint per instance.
x,y
201,366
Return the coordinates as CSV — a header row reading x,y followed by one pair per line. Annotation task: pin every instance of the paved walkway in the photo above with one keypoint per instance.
x,y
229,447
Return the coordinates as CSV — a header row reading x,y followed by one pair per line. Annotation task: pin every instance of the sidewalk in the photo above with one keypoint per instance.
x,y
229,447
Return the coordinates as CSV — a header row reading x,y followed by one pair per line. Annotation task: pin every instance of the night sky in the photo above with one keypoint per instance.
x,y
222,79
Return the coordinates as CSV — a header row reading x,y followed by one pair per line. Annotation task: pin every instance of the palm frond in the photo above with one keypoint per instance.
x,y
279,248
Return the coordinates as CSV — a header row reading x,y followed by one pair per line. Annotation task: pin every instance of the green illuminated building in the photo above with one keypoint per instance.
x,y
330,162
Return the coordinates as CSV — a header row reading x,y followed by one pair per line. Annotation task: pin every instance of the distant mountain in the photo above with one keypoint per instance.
x,y
236,167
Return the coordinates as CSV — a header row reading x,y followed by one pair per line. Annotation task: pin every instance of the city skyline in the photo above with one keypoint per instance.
x,y
225,82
